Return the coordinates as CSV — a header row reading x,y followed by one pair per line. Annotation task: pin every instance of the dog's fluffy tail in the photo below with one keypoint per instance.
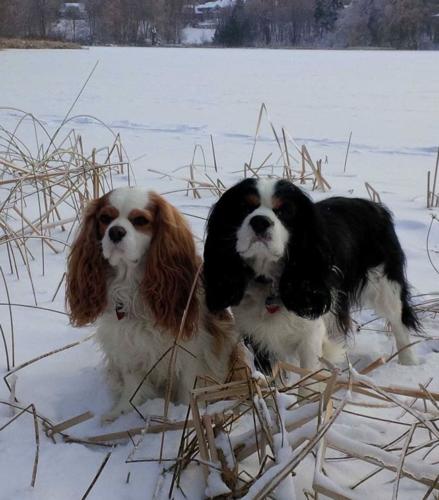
x,y
334,350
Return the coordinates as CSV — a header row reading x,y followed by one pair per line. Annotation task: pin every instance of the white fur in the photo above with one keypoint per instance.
x,y
134,344
384,296
284,328
134,244
263,252
283,333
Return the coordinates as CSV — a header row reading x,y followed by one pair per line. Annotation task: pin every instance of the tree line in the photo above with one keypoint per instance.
x,y
401,24
108,21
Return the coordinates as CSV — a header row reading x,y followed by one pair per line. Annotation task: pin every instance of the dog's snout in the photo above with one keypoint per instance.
x,y
260,223
116,233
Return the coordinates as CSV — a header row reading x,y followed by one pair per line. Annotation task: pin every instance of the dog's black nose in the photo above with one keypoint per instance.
x,y
116,233
260,223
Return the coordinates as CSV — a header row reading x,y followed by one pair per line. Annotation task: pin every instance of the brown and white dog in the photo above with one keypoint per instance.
x,y
131,269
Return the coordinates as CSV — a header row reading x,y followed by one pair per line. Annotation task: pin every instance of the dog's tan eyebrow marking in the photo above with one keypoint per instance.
x,y
106,212
138,213
109,210
253,200
276,202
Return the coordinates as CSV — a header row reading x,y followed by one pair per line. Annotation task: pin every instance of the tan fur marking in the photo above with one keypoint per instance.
x,y
220,326
86,295
276,202
148,214
170,271
238,364
109,211
253,200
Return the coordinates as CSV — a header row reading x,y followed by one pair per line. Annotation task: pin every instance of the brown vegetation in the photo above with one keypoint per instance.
x,y
27,43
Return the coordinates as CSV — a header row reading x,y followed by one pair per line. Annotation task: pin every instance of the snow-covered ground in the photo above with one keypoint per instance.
x,y
164,102
196,36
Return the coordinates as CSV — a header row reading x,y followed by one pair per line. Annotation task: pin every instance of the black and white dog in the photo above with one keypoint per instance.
x,y
293,269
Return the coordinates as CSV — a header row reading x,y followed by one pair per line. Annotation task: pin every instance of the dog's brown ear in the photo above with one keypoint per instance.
x,y
171,270
86,289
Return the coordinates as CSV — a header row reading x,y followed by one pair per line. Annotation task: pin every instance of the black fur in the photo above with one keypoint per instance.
x,y
225,274
333,244
362,236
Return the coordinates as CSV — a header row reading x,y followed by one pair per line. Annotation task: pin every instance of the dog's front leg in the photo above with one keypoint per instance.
x,y
310,351
122,405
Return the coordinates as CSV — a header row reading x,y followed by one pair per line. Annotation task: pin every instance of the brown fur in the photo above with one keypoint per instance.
x,y
170,271
221,327
239,368
86,295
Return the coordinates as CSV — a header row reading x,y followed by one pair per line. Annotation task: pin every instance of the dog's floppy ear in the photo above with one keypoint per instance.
x,y
171,270
305,285
225,274
86,289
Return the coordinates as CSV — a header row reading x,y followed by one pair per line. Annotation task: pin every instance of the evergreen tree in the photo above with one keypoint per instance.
x,y
234,29
326,14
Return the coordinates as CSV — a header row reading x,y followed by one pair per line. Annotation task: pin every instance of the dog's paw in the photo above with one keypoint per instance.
x,y
111,416
408,357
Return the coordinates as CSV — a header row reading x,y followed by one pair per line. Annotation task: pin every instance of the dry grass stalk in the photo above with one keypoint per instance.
x,y
318,485
57,178
113,437
347,153
432,196
289,167
70,422
31,407
374,455
42,356
11,320
384,390
289,467
373,194
62,178
401,463
96,477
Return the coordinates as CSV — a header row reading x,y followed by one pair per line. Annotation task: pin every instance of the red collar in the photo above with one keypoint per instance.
x,y
272,308
119,314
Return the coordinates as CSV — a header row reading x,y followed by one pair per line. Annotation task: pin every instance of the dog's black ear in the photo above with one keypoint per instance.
x,y
225,274
305,285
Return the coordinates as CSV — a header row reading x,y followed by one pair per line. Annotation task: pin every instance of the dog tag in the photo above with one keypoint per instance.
x,y
120,314
272,304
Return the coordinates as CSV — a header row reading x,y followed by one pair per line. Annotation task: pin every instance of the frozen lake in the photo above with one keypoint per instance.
x,y
163,102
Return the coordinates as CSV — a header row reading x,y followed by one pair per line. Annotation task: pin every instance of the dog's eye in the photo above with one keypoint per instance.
x,y
105,219
140,221
246,208
283,211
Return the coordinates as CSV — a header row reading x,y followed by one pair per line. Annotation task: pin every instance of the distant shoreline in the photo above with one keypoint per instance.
x,y
29,43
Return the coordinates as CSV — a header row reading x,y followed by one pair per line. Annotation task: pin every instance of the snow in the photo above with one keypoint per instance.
x,y
326,483
415,468
222,443
163,102
211,6
196,36
215,485
284,454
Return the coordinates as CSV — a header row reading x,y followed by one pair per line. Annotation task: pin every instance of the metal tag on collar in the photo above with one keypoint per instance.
x,y
120,314
272,304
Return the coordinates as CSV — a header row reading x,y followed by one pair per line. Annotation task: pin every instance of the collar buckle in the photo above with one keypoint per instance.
x,y
120,313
